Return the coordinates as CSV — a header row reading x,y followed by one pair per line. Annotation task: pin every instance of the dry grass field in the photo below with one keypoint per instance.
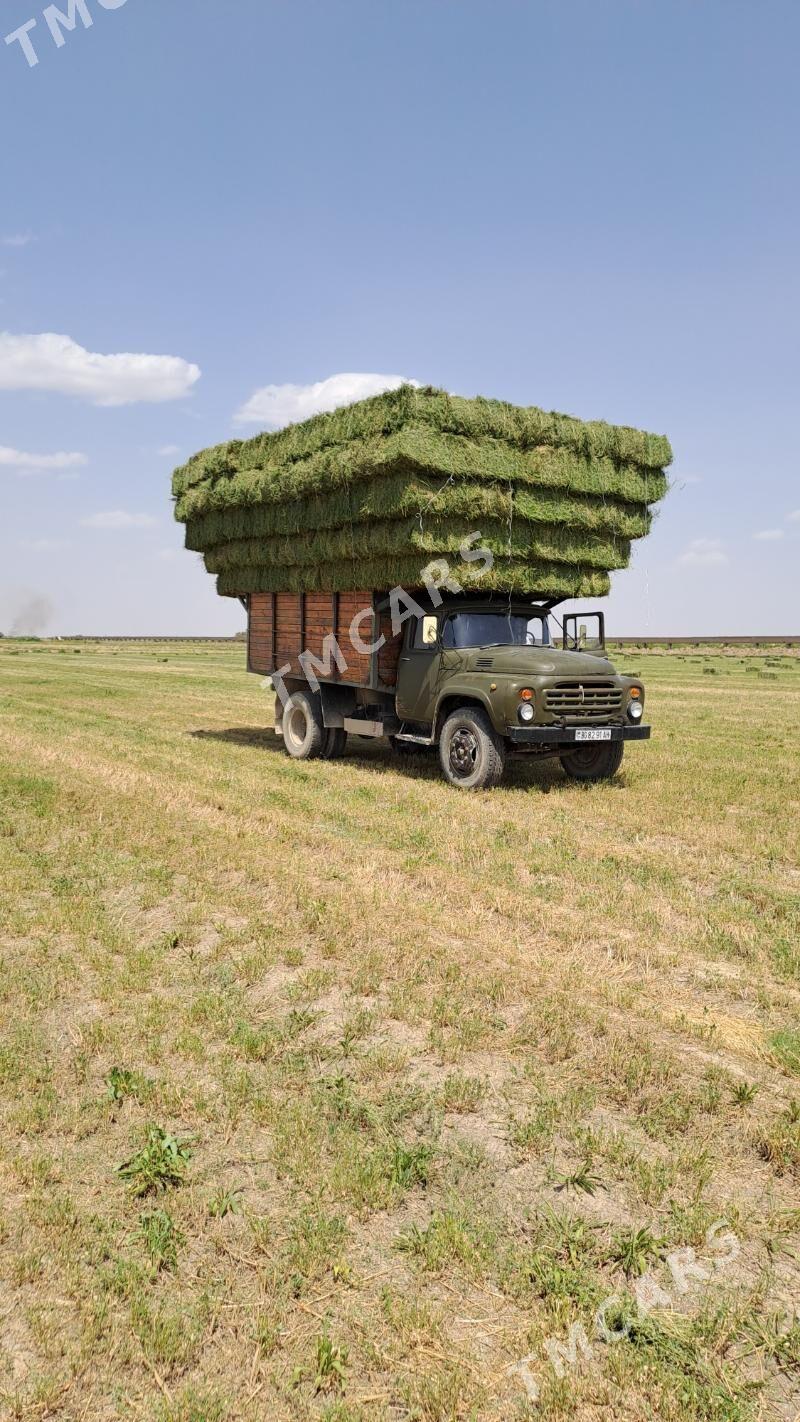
x,y
330,1093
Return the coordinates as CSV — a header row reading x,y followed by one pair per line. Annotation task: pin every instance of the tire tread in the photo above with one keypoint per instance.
x,y
492,748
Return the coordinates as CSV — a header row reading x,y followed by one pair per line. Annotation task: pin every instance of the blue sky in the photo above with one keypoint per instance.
x,y
591,207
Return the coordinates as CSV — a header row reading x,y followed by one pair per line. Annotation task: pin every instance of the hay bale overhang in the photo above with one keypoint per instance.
x,y
367,492
508,575
437,537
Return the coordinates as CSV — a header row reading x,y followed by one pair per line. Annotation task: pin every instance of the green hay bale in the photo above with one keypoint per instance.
x,y
400,496
362,496
383,415
424,452
436,537
507,575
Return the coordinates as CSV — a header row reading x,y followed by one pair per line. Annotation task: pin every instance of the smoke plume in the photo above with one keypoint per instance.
x,y
31,617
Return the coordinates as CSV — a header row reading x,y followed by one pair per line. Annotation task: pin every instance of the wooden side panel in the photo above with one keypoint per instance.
x,y
289,631
389,654
319,621
301,623
260,633
358,663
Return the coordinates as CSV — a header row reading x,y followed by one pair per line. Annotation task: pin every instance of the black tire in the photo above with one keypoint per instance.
x,y
335,743
471,753
303,730
596,760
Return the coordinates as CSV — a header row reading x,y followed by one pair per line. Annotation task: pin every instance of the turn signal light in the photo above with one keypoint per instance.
x,y
526,694
635,693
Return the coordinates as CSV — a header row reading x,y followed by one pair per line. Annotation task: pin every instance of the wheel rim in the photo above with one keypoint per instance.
x,y
464,752
295,726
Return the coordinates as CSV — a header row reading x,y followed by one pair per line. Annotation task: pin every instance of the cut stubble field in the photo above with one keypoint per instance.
x,y
328,1092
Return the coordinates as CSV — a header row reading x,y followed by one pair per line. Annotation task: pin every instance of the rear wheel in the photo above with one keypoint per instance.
x,y
335,743
593,762
471,753
303,730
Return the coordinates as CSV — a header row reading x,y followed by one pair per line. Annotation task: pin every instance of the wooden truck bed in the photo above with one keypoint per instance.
x,y
282,625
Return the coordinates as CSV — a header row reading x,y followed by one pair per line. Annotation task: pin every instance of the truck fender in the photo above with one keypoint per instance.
x,y
460,696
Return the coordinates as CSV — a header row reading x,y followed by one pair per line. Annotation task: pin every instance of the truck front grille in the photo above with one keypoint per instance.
x,y
583,700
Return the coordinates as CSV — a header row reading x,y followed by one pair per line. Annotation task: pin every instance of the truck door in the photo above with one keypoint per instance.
x,y
418,670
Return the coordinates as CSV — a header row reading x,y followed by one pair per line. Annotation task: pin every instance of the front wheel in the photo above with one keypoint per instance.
x,y
592,762
471,753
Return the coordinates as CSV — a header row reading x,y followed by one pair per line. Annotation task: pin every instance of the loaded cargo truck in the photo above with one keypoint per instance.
x,y
476,677
309,525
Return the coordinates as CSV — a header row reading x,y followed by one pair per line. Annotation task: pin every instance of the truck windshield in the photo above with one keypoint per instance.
x,y
495,629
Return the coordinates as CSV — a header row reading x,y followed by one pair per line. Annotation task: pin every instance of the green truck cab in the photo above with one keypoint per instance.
x,y
486,680
481,679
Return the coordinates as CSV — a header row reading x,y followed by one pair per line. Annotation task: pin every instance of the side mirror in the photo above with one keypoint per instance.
x,y
588,636
430,631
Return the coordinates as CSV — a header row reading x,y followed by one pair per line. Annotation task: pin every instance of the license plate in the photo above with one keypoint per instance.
x,y
595,734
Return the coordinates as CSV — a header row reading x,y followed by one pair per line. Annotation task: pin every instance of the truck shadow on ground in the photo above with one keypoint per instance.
x,y
241,736
521,773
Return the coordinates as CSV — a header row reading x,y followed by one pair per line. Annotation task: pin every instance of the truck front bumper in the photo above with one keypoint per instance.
x,y
566,735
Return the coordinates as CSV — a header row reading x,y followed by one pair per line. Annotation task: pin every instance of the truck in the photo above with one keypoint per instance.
x,y
478,678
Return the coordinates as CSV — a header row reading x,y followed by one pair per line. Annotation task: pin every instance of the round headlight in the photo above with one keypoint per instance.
x,y
525,711
635,710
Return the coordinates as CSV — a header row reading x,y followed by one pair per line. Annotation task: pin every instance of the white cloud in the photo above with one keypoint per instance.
x,y
279,405
794,516
18,239
168,451
769,535
704,553
52,362
18,459
43,545
119,518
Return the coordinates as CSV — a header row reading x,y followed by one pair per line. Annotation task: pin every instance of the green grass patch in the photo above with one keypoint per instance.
x,y
785,1045
159,1163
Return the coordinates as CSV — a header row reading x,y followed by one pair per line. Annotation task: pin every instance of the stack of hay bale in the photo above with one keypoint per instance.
x,y
367,495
